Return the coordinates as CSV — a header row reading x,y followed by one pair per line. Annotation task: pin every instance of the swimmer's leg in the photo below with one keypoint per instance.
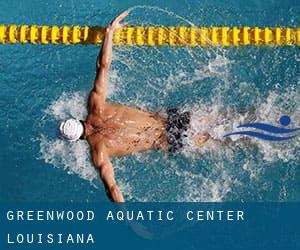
x,y
200,140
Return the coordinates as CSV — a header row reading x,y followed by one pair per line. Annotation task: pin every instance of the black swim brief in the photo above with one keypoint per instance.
x,y
177,125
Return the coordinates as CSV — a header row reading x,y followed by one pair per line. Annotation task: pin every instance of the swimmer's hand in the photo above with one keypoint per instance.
x,y
115,24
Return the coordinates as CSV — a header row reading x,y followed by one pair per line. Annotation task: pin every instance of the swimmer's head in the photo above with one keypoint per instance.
x,y
70,130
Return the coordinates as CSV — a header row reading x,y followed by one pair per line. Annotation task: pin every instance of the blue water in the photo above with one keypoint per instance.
x,y
42,84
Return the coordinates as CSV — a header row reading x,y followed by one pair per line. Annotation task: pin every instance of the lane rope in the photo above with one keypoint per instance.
x,y
152,35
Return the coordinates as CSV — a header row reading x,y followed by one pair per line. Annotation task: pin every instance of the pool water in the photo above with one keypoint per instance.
x,y
43,84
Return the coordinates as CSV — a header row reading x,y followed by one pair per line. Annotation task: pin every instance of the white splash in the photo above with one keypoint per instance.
x,y
72,157
68,105
210,189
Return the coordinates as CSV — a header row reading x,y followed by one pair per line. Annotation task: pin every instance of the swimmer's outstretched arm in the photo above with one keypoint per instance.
x,y
105,56
103,164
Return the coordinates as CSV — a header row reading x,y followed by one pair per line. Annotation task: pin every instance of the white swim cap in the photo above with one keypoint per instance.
x,y
70,130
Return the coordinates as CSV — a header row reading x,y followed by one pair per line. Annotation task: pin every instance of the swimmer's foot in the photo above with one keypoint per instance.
x,y
200,140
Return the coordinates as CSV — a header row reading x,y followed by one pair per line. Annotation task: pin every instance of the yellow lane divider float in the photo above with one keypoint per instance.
x,y
152,36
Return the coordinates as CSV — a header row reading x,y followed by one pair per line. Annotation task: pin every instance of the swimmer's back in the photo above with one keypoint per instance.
x,y
126,130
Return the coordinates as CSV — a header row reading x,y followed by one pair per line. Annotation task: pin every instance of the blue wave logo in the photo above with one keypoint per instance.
x,y
279,133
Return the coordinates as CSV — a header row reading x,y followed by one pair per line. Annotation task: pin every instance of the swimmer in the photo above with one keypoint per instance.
x,y
114,130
